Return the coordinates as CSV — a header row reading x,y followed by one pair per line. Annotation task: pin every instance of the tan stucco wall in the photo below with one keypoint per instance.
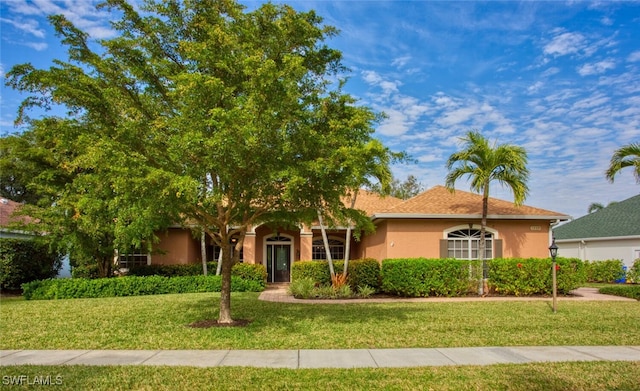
x,y
408,238
374,245
177,247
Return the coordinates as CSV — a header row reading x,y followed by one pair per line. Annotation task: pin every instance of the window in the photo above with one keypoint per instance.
x,y
465,243
336,248
133,258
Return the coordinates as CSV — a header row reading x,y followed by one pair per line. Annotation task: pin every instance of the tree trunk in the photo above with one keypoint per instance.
x,y
483,244
225,293
219,265
347,246
325,240
203,252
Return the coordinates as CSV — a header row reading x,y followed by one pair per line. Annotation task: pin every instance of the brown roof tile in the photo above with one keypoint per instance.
x,y
371,203
440,201
7,210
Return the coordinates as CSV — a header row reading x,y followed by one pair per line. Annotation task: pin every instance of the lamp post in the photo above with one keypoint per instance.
x,y
553,250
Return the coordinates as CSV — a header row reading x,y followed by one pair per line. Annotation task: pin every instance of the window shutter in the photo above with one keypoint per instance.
x,y
498,248
444,248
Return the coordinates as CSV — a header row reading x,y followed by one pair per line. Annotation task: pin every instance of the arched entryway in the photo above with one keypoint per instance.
x,y
278,254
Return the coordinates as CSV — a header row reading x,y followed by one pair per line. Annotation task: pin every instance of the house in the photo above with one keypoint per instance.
x,y
8,217
436,223
610,233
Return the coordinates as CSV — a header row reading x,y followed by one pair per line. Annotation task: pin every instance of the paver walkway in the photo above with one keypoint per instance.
x,y
278,293
309,358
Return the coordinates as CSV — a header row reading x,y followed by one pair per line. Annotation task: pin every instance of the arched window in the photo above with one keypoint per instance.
x,y
336,248
465,243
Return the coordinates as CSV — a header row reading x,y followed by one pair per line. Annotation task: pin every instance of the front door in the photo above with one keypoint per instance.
x,y
278,262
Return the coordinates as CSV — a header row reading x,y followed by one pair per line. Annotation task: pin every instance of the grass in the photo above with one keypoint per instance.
x,y
534,377
160,322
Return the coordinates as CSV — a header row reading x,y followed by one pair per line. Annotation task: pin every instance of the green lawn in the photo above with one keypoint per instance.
x,y
530,377
160,322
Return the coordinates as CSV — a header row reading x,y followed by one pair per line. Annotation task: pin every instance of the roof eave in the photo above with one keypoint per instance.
x,y
601,238
466,216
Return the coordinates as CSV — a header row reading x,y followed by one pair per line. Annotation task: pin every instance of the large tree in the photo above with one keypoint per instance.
x,y
625,156
483,164
223,117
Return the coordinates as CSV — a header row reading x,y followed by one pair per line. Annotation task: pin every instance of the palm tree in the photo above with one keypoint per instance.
x,y
596,206
483,164
625,156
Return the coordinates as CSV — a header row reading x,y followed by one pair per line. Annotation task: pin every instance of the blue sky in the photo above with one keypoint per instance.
x,y
561,79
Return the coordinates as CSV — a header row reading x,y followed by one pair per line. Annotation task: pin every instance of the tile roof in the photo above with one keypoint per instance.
x,y
619,219
439,201
371,203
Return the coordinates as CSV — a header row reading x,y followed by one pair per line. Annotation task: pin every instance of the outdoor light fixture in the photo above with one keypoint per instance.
x,y
553,250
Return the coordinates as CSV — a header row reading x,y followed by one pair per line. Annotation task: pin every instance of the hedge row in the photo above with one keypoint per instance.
x,y
608,271
74,288
362,272
632,291
421,277
533,276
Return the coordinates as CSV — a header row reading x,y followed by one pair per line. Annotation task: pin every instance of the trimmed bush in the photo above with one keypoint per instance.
x,y
608,271
633,274
361,272
246,271
22,261
75,288
86,271
532,276
632,291
421,277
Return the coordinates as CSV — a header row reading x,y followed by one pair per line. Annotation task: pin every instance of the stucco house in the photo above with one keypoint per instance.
x,y
436,223
610,233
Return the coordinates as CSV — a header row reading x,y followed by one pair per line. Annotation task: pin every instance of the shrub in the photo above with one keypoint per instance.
x,y
361,272
131,286
86,271
633,274
532,276
604,271
22,261
632,291
302,288
365,291
418,277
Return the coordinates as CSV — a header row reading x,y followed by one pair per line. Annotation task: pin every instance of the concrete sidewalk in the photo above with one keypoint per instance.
x,y
303,358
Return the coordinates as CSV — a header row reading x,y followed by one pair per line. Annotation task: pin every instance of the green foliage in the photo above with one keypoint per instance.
x,y
86,271
417,277
607,271
254,272
532,276
302,288
76,288
364,272
23,261
317,271
631,291
361,272
365,291
633,274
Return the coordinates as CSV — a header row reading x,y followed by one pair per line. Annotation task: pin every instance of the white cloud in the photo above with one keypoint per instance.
x,y
634,57
596,68
28,26
565,43
396,123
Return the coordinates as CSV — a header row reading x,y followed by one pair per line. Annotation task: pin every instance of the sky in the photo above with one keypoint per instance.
x,y
561,79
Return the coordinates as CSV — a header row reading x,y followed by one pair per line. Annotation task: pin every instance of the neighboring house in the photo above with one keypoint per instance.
x,y
8,217
434,224
610,233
